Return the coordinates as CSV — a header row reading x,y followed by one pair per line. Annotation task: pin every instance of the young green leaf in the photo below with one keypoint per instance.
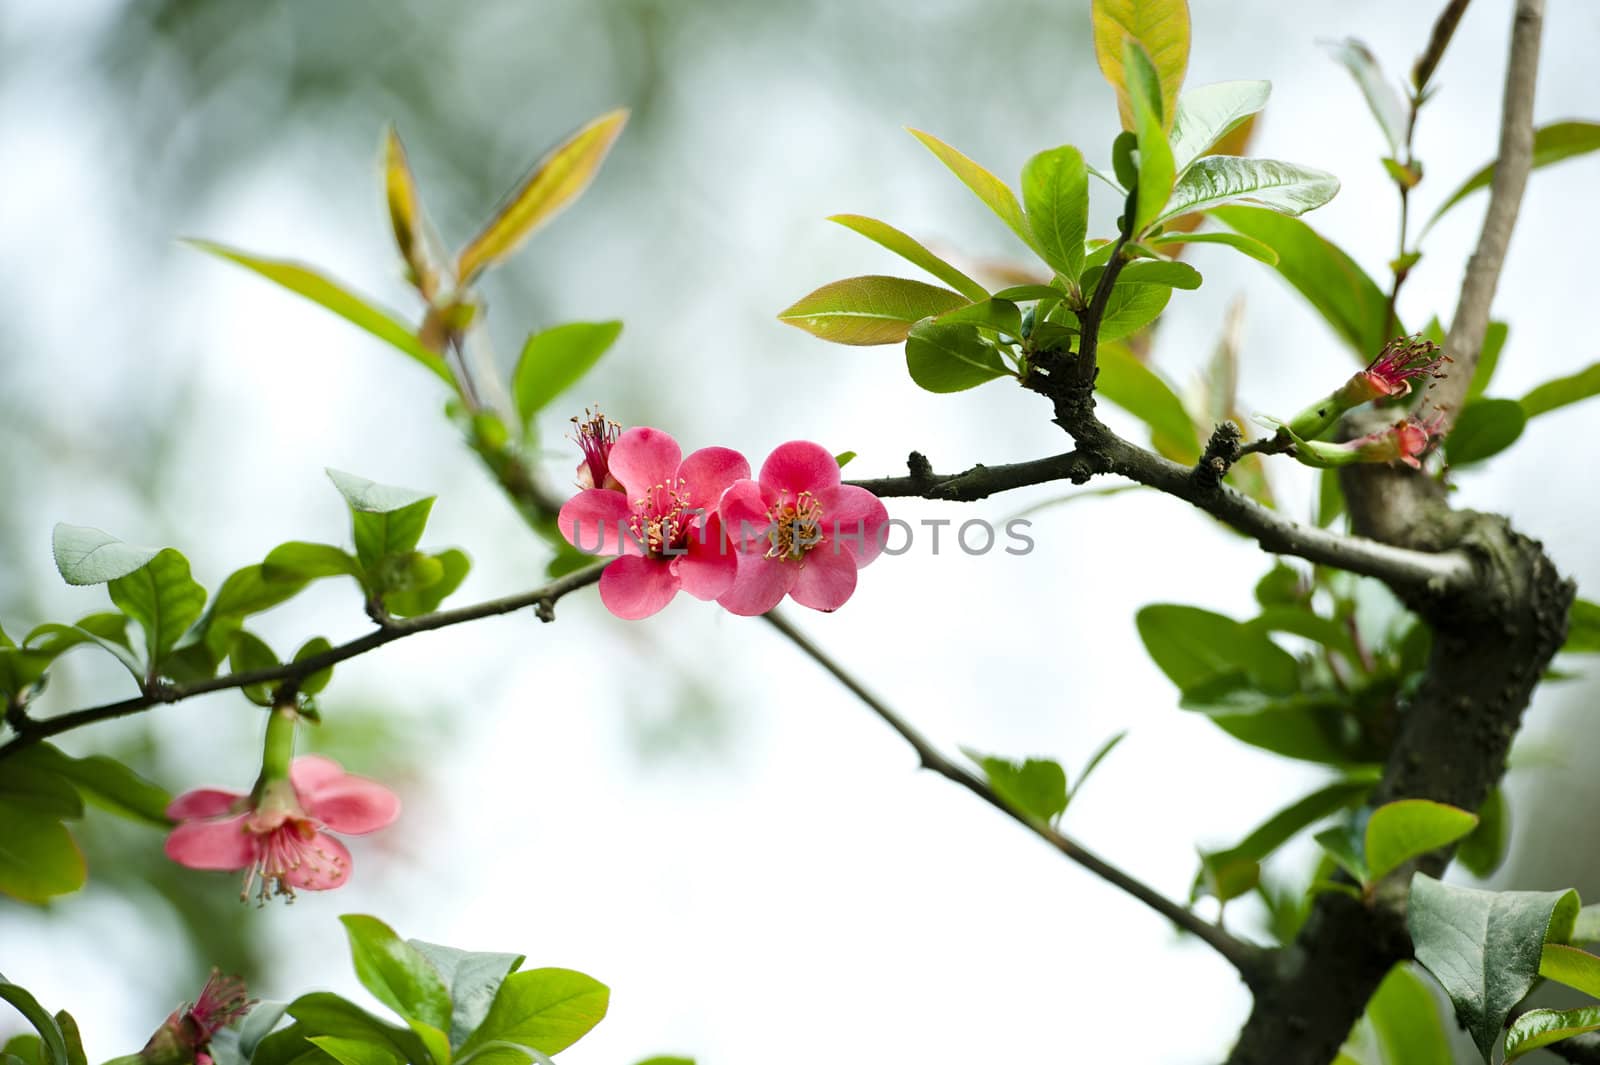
x,y
163,599
1217,180
386,521
1400,831
954,357
313,683
301,561
324,291
411,231
89,556
1563,391
1494,340
1571,966
324,1013
1161,272
995,194
355,1051
1210,112
447,570
1248,245
869,310
1485,428
1129,309
1161,27
1332,282
1406,1021
1540,1028
1583,628
554,183
1055,193
1036,787
1157,170
1095,759
552,361
1344,844
1139,390
1551,144
399,975
912,251
1385,103
1485,946
546,1009
1482,852
997,314
248,654
1287,823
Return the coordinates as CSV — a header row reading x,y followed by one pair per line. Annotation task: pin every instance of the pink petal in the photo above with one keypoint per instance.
x,y
325,865
745,515
854,519
212,844
352,805
799,466
633,587
709,568
310,772
760,585
202,802
594,521
826,579
707,473
642,458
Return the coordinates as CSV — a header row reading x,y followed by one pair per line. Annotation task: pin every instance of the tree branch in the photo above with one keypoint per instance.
x,y
1243,956
30,731
980,481
1467,329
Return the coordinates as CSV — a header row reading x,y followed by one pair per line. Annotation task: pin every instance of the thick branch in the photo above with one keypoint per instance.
x,y
1467,329
1245,957
543,599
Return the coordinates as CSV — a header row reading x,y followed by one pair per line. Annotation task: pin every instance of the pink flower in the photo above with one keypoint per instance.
x,y
276,834
1407,441
799,532
1401,360
663,523
186,1034
597,434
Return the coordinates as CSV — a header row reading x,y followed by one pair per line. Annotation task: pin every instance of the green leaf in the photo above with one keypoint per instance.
x,y
1405,1018
1303,623
994,193
951,357
844,458
89,556
1551,144
1553,395
55,1044
1055,193
1583,628
1248,245
1161,27
869,310
1036,787
1156,167
106,782
1343,844
997,314
1571,966
1540,1028
330,294
300,561
324,1013
396,973
47,642
549,188
1311,726
34,786
1022,293
23,1049
1284,825
38,858
355,1051
248,654
1494,340
909,249
1385,103
314,682
448,569
1400,831
1485,946
472,979
1331,281
1139,390
1193,646
1210,112
552,361
1095,759
1484,428
1482,852
163,599
546,1009
1217,180
1130,308
386,521
667,1060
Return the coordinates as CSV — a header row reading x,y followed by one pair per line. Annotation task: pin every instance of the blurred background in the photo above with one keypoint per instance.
x,y
685,808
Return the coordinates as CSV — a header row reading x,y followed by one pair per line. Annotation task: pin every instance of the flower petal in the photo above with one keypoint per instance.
x,y
853,519
633,587
711,564
707,473
352,805
760,585
746,516
220,844
642,458
799,466
593,521
202,802
827,578
325,865
310,772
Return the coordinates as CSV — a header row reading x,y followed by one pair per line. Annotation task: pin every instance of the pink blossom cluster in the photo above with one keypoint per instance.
x,y
701,524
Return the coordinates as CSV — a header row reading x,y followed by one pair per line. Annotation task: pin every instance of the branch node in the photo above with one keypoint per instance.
x,y
1221,452
545,609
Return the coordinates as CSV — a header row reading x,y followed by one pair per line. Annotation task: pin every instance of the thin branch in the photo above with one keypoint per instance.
x,y
980,481
1471,322
543,599
1246,957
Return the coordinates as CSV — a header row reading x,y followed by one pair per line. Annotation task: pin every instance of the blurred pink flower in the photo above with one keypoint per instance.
x,y
799,532
663,523
276,834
